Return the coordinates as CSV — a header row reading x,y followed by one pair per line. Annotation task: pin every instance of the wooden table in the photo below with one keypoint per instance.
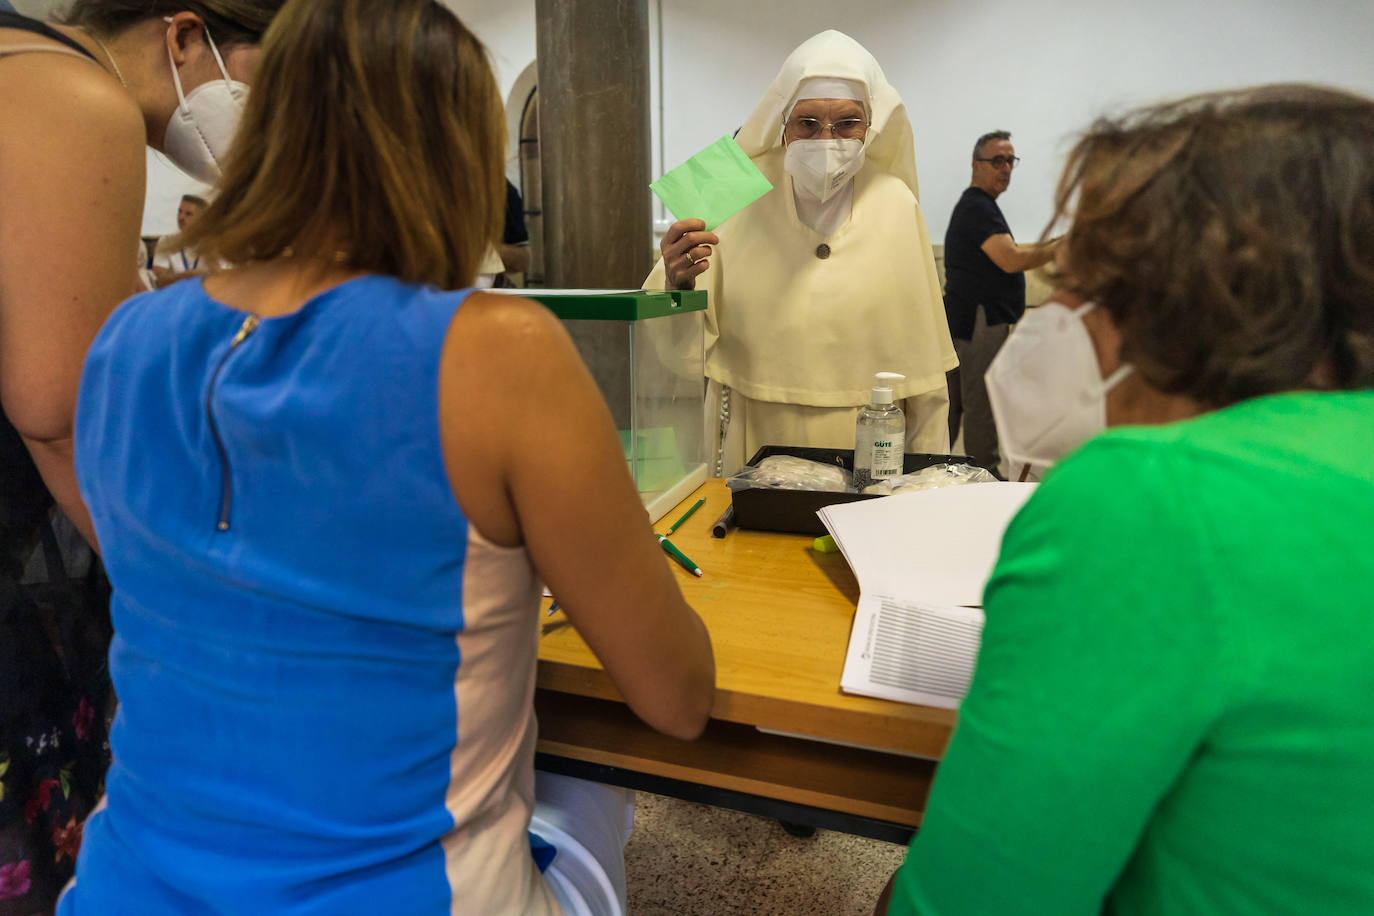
x,y
779,615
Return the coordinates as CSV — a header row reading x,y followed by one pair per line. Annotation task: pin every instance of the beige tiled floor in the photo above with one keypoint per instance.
x,y
687,859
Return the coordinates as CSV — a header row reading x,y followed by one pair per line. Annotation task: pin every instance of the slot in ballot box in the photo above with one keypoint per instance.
x,y
646,350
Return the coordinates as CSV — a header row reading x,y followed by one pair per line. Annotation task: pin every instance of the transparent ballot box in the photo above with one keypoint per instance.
x,y
646,352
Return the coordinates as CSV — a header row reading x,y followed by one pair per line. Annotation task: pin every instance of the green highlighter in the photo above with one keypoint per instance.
x,y
713,185
825,544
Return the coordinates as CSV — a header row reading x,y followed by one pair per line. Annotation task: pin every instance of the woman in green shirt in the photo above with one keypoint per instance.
x,y
1172,711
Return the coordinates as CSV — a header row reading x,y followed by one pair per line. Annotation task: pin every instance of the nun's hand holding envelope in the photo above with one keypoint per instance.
x,y
686,252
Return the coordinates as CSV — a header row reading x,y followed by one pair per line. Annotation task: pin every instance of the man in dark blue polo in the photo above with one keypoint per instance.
x,y
985,289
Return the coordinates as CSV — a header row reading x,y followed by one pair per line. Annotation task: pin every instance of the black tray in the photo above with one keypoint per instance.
x,y
794,511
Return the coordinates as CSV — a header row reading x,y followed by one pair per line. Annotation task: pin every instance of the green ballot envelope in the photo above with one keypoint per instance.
x,y
713,185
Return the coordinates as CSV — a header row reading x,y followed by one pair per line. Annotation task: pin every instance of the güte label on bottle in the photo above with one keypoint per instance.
x,y
887,459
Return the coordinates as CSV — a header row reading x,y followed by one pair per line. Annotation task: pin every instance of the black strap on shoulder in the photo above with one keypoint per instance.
x,y
24,23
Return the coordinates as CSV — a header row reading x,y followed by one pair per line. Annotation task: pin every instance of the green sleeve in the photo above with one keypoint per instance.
x,y
1096,681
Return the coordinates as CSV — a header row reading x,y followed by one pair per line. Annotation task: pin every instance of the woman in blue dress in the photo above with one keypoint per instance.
x,y
328,483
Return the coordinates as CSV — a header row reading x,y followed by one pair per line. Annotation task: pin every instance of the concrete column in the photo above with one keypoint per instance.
x,y
594,143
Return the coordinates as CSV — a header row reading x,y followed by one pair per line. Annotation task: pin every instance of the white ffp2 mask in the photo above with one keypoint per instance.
x,y
202,126
823,167
1046,388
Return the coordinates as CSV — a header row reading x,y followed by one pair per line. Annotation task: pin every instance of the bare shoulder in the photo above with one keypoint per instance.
x,y
490,322
506,311
495,340
67,99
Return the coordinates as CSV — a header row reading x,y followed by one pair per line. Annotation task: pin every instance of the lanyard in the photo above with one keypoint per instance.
x,y
187,265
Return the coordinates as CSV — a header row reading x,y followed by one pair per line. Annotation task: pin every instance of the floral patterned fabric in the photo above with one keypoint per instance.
x,y
54,691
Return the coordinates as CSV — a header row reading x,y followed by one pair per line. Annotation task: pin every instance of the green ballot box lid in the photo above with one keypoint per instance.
x,y
616,304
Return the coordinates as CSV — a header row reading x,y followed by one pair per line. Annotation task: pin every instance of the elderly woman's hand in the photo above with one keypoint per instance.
x,y
686,250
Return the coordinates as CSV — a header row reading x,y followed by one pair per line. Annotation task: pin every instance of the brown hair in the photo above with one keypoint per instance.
x,y
193,199
229,21
375,137
1231,238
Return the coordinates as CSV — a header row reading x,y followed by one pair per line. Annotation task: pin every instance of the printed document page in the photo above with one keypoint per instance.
x,y
922,560
911,651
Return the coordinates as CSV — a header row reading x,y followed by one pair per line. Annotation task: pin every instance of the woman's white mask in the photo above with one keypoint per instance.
x,y
820,168
203,124
1046,388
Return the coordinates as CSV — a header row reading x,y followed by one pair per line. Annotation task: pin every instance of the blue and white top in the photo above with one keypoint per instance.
x,y
325,673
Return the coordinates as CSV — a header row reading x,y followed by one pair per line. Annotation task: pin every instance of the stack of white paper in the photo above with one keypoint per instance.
x,y
922,560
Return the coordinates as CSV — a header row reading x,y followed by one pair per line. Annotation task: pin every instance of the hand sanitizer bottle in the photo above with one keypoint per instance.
x,y
879,435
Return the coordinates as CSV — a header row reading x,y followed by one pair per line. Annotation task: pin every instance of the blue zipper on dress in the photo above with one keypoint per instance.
x,y
226,497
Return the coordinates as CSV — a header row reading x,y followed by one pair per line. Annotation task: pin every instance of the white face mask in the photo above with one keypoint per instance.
x,y
822,167
203,124
1047,392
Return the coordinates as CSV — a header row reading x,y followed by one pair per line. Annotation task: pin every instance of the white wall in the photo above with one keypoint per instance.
x,y
166,184
506,27
1041,70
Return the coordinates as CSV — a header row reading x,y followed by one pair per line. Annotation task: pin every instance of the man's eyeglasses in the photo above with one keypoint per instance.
x,y
810,128
1000,162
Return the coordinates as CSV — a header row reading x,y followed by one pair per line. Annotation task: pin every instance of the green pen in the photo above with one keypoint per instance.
x,y
686,515
678,555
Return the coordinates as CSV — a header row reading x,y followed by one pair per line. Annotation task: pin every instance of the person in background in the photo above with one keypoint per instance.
x,y
79,101
985,289
326,521
826,279
146,279
173,261
1170,712
513,248
515,238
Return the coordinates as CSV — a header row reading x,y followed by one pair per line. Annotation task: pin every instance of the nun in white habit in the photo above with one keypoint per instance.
x,y
826,279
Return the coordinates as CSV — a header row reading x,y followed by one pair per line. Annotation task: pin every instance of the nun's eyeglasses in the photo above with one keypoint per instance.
x,y
811,128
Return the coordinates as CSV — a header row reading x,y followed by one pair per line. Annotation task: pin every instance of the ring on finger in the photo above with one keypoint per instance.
x,y
691,261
